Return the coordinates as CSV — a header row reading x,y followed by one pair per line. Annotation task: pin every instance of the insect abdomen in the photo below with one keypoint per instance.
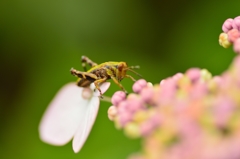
x,y
85,82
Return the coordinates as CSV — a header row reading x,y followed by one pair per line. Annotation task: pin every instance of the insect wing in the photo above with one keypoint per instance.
x,y
63,116
86,124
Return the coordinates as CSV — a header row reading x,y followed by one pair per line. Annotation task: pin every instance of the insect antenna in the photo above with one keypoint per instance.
x,y
134,67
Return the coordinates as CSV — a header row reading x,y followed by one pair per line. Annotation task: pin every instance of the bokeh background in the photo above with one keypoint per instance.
x,y
41,40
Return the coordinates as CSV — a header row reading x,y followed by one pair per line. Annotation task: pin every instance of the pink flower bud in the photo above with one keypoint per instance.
x,y
125,118
139,85
147,94
198,90
123,107
135,104
193,74
215,83
236,23
112,112
168,84
167,91
118,97
233,35
146,128
227,25
177,76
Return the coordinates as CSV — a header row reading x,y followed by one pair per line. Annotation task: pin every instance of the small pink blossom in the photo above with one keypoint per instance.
x,y
198,90
139,85
146,128
118,97
135,104
177,76
122,107
233,35
194,74
236,23
125,118
227,25
147,94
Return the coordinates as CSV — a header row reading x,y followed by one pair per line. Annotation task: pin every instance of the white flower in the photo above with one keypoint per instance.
x,y
70,115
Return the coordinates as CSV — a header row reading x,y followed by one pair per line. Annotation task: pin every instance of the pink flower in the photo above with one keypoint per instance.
x,y
186,115
233,35
227,25
70,115
236,23
118,97
194,74
139,85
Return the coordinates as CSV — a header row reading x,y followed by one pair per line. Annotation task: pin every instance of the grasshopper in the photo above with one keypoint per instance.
x,y
98,74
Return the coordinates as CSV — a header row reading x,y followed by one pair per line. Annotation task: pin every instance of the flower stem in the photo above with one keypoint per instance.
x,y
106,99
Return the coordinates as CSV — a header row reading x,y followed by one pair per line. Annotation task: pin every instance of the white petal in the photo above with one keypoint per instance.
x,y
104,86
86,124
62,117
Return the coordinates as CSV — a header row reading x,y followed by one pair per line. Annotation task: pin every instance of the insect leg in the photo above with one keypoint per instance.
x,y
128,76
99,81
119,84
110,73
88,61
82,74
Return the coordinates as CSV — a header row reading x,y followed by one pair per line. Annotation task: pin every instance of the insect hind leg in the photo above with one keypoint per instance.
x,y
85,75
97,82
85,60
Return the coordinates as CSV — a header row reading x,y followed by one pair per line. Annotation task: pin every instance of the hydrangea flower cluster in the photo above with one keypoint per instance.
x,y
231,34
191,115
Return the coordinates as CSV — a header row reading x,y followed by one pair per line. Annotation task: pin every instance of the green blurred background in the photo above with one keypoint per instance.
x,y
41,40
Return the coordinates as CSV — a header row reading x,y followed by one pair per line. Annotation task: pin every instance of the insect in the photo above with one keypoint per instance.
x,y
99,74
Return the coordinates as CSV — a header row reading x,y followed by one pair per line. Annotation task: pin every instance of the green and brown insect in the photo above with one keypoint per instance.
x,y
102,72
